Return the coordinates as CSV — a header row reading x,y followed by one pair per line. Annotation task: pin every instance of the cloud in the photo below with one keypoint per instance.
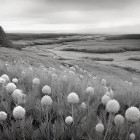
x,y
68,14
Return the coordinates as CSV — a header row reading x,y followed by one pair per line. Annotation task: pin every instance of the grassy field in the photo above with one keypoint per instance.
x,y
97,80
43,119
117,48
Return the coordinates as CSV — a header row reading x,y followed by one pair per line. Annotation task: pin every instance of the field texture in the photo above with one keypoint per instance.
x,y
76,87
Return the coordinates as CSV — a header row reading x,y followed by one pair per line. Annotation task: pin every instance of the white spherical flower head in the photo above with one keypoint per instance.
x,y
3,116
113,106
17,96
23,72
31,69
83,105
132,114
62,67
6,77
90,90
72,69
119,119
103,82
94,78
10,87
2,81
99,128
53,69
132,136
64,78
36,81
46,89
105,99
130,83
73,98
126,82
111,91
46,101
71,73
81,76
15,80
54,76
110,94
77,67
19,112
69,120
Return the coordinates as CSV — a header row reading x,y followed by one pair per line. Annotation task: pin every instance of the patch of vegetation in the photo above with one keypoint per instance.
x,y
61,104
96,50
135,58
122,37
98,58
130,69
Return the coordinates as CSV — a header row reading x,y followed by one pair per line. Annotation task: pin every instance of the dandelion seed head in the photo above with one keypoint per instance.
x,y
46,89
2,81
132,136
6,77
73,98
3,116
36,81
15,80
90,90
81,76
103,82
99,128
119,119
83,105
105,99
110,94
69,120
46,101
113,106
132,114
10,87
17,95
18,112
72,69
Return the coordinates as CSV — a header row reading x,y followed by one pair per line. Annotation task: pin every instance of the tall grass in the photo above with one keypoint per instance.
x,y
35,125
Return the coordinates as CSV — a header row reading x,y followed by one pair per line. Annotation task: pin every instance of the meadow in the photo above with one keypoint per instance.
x,y
66,104
116,49
47,92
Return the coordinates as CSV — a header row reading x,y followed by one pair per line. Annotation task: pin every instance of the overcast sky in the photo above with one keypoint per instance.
x,y
78,16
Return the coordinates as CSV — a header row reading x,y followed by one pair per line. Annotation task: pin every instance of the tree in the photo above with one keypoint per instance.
x,y
4,40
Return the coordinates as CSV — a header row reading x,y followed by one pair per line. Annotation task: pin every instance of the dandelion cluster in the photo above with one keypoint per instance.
x,y
61,102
